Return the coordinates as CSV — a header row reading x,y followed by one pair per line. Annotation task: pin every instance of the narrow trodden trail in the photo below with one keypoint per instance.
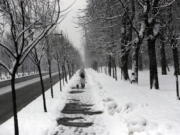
x,y
83,113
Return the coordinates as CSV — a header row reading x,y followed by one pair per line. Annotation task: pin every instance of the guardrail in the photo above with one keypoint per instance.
x,y
21,79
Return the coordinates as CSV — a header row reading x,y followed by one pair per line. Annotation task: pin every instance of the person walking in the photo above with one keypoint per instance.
x,y
82,78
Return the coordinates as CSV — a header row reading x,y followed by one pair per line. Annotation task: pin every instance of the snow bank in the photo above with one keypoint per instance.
x,y
137,110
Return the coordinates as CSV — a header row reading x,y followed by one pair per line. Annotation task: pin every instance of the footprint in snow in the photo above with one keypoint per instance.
x,y
111,106
136,125
107,99
129,107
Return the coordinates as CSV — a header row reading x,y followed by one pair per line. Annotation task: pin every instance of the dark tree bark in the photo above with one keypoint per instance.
x,y
69,69
177,87
124,67
59,72
140,61
163,59
42,87
16,127
126,38
115,69
50,77
64,72
109,65
153,64
176,65
63,78
176,60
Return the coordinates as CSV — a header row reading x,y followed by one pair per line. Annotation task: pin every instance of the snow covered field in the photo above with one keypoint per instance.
x,y
127,109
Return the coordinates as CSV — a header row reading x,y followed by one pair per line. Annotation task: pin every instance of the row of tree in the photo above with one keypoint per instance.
x,y
132,33
27,35
60,55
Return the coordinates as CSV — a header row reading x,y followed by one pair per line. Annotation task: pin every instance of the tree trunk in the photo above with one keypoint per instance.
x,y
50,78
153,64
115,69
176,68
140,62
69,70
16,127
109,65
163,59
135,63
42,88
113,72
126,32
176,60
59,71
124,67
63,75
177,87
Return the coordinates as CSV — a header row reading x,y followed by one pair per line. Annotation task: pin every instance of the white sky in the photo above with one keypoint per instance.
x,y
68,25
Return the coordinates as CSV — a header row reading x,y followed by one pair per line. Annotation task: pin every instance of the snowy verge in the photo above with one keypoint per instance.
x,y
33,120
137,110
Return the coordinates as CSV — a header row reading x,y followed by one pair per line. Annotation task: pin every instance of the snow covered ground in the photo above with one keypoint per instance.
x,y
140,110
126,109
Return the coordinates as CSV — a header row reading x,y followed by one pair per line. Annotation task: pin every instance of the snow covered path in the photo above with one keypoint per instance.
x,y
82,114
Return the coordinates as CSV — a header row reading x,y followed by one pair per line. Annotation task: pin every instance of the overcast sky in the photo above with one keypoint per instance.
x,y
68,25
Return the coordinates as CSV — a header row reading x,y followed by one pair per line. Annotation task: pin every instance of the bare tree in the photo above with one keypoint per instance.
x,y
36,56
57,54
49,59
26,18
